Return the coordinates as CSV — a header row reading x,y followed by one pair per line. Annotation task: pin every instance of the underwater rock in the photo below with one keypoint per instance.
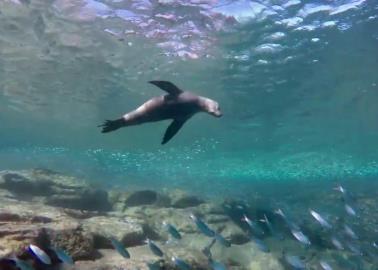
x,y
146,197
54,189
210,208
56,180
23,223
232,232
75,241
88,199
177,217
127,230
246,256
21,185
180,199
110,260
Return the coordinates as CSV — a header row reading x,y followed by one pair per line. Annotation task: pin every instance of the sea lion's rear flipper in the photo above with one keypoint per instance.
x,y
168,87
172,130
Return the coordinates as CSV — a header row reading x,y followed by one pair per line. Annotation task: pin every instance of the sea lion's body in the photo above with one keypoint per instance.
x,y
177,105
164,108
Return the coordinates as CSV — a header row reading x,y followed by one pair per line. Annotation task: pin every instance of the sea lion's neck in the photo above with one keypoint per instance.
x,y
203,103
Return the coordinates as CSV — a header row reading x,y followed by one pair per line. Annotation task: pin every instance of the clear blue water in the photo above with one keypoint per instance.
x,y
296,80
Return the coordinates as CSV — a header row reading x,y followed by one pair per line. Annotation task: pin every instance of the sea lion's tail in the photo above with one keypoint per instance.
x,y
111,125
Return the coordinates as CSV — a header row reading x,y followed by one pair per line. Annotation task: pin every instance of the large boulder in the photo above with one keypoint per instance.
x,y
141,255
127,230
76,241
146,197
180,199
54,189
85,199
20,185
23,223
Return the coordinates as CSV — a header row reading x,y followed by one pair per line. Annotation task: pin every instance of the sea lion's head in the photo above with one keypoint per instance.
x,y
211,107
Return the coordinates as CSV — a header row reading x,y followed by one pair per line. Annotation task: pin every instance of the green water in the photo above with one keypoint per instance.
x,y
300,104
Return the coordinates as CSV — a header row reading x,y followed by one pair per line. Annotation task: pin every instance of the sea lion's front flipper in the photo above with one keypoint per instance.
x,y
168,87
173,128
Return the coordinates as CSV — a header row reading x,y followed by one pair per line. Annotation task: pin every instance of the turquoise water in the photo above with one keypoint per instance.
x,y
296,81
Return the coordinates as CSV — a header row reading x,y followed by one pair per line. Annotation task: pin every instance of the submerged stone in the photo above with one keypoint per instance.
x,y
129,231
145,197
181,199
87,199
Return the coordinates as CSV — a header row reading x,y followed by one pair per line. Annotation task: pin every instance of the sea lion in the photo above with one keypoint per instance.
x,y
177,105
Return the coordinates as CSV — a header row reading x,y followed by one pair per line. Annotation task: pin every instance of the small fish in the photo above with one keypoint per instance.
x,y
153,266
181,264
340,188
320,219
260,244
63,256
336,242
172,230
207,249
271,229
301,237
253,225
120,248
154,248
375,244
348,231
295,262
217,265
22,264
224,242
325,265
40,254
354,248
288,221
350,211
344,193
202,226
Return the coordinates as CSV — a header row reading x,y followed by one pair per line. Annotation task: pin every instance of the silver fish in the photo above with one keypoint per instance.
x,y
375,244
40,254
22,264
217,265
202,226
253,225
272,231
354,248
221,240
288,221
120,248
340,189
344,193
336,242
348,231
260,245
324,223
325,265
349,209
295,262
154,248
63,256
181,264
172,230
154,266
301,237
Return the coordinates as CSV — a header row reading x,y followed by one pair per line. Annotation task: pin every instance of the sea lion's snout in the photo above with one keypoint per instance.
x,y
217,113
212,107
